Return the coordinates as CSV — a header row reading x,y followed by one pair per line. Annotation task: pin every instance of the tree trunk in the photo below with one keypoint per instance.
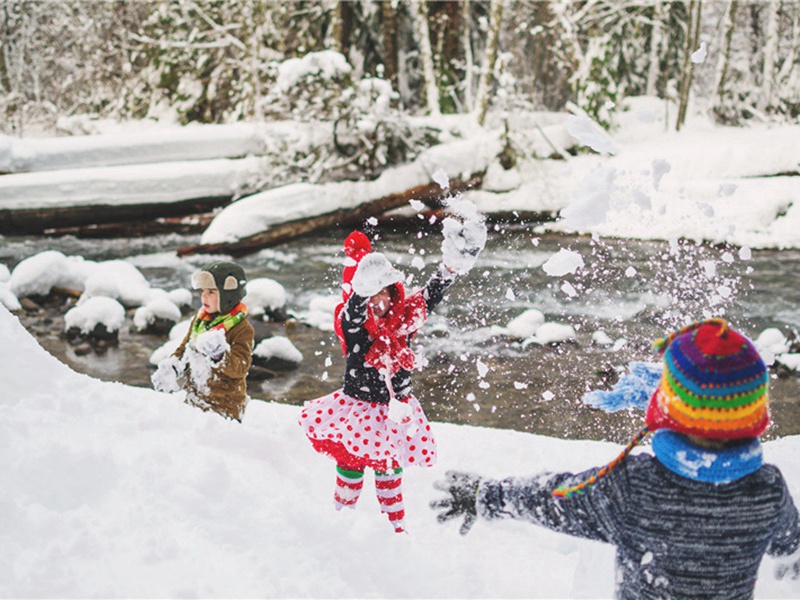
x,y
770,55
484,95
656,41
687,69
426,53
389,25
469,61
430,193
723,64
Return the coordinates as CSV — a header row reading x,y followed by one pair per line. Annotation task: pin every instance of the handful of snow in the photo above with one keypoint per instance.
x,y
165,377
212,344
633,390
464,237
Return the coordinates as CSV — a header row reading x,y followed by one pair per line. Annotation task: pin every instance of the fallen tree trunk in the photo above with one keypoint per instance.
x,y
431,194
48,220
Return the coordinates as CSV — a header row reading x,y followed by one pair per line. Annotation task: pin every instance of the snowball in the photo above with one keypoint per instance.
x,y
745,253
264,294
417,205
563,262
162,308
569,289
482,368
526,324
278,347
97,310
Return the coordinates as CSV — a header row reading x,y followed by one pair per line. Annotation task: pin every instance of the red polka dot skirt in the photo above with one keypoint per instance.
x,y
356,432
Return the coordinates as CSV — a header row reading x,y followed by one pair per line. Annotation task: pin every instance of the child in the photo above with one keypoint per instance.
x,y
212,361
374,420
695,519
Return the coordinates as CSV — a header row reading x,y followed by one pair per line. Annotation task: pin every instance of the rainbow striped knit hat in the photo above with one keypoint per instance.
x,y
714,384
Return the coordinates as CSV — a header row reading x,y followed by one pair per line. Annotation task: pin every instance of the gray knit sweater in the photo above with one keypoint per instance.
x,y
675,537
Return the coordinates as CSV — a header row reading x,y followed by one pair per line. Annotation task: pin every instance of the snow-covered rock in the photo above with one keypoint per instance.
x,y
95,311
526,324
161,311
552,333
277,350
770,343
264,296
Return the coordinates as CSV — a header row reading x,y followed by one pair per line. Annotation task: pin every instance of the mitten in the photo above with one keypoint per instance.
x,y
212,344
165,377
462,243
463,490
374,273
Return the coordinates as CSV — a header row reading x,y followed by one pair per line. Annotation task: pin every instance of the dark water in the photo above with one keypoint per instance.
x,y
632,290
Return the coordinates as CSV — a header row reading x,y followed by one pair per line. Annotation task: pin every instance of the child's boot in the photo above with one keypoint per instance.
x,y
388,487
348,487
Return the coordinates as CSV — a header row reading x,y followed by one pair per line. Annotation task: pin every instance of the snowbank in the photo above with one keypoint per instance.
x,y
115,491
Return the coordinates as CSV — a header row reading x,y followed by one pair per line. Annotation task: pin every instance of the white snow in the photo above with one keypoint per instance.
x,y
117,491
526,324
264,294
278,346
320,312
160,308
97,310
551,333
562,263
256,213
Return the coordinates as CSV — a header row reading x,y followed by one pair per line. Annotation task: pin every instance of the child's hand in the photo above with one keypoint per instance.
x,y
463,490
374,273
165,378
212,344
462,243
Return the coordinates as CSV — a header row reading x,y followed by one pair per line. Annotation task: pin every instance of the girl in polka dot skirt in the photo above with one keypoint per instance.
x,y
374,420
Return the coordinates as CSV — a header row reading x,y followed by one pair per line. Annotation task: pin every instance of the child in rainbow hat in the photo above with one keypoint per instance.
x,y
695,519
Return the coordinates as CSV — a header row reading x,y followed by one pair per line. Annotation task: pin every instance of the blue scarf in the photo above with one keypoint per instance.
x,y
680,456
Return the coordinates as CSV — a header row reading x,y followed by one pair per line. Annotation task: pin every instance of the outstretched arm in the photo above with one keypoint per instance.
x,y
592,515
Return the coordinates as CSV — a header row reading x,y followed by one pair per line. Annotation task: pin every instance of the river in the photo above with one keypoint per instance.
x,y
633,290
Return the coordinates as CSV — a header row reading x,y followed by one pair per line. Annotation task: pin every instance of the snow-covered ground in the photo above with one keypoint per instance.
x,y
115,491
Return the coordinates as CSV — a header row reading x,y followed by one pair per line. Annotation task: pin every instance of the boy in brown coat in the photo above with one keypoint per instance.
x,y
212,361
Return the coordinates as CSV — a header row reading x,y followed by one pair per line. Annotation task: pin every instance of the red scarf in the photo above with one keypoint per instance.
x,y
390,333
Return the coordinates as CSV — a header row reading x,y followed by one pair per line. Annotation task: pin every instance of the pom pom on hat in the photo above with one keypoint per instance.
x,y
356,247
714,385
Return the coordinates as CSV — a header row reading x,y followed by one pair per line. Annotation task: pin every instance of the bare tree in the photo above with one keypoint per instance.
x,y
426,52
692,38
483,96
656,41
770,56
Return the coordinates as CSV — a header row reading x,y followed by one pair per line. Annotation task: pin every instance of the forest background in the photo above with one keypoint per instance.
x,y
218,61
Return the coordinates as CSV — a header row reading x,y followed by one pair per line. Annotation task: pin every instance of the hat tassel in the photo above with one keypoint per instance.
x,y
566,492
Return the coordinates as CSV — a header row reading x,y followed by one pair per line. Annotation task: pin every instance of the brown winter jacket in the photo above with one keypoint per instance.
x,y
227,389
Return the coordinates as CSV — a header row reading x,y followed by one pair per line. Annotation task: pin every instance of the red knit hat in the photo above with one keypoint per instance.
x,y
356,247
